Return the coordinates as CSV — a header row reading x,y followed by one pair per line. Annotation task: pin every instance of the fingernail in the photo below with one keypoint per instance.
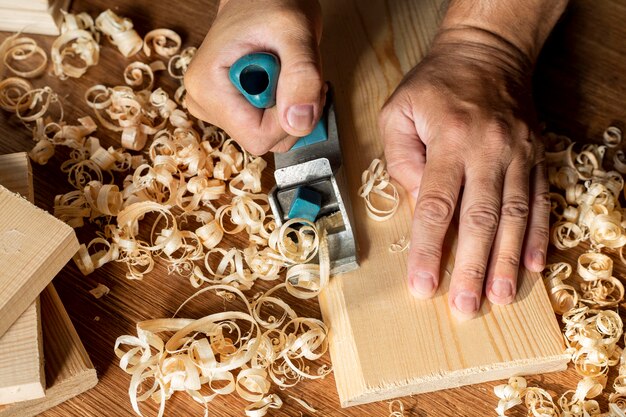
x,y
502,288
466,303
300,116
539,259
423,284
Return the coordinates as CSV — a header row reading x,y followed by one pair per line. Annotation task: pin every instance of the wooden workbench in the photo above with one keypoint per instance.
x,y
580,90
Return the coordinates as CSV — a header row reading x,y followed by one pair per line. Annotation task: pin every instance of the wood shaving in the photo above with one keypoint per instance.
x,y
221,354
100,291
396,409
23,50
76,42
304,404
120,32
165,42
11,90
612,137
377,184
400,246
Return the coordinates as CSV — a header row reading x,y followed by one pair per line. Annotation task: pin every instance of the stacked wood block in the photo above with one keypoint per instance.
x,y
34,246
32,16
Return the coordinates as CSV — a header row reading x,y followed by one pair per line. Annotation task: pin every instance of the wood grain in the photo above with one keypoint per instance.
x,y
579,86
34,246
22,375
69,371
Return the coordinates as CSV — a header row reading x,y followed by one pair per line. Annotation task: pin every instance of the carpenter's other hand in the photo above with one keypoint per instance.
x,y
291,29
462,118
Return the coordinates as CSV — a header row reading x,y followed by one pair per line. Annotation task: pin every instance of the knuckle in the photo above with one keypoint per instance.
x,y
255,147
473,272
427,251
481,218
511,259
516,208
304,66
542,201
459,125
436,208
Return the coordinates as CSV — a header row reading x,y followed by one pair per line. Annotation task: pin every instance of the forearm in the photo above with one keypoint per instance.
x,y
517,27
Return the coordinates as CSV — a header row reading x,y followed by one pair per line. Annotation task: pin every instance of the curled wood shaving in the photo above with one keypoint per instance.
x,y
36,104
220,354
136,72
11,90
120,32
400,246
376,183
396,408
563,297
612,136
23,50
165,42
178,64
77,42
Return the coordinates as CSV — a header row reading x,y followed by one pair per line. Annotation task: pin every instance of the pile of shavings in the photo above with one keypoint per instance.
x,y
173,203
586,208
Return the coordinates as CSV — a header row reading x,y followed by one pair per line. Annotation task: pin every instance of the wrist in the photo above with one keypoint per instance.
x,y
483,48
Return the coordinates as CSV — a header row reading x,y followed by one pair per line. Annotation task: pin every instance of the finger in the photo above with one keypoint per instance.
x,y
479,216
439,192
255,130
537,234
404,151
505,256
285,144
300,92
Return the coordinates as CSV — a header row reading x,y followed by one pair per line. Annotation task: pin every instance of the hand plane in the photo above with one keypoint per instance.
x,y
310,182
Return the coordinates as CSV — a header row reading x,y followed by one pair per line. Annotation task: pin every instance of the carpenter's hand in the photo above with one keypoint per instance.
x,y
463,117
291,29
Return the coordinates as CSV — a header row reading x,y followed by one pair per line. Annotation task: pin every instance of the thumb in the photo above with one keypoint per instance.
x,y
405,152
300,94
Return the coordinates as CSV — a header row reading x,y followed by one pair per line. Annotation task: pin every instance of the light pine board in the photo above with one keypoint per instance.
x,y
32,17
34,246
384,343
21,350
39,5
69,371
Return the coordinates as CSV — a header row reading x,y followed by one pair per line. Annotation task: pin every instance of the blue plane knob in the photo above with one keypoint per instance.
x,y
256,76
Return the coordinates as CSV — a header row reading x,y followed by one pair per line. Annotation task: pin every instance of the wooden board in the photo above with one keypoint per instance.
x,y
34,246
33,19
39,5
384,343
22,375
69,371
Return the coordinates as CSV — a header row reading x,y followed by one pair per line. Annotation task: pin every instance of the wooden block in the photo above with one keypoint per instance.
x,y
69,371
384,343
22,375
32,18
34,246
39,5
